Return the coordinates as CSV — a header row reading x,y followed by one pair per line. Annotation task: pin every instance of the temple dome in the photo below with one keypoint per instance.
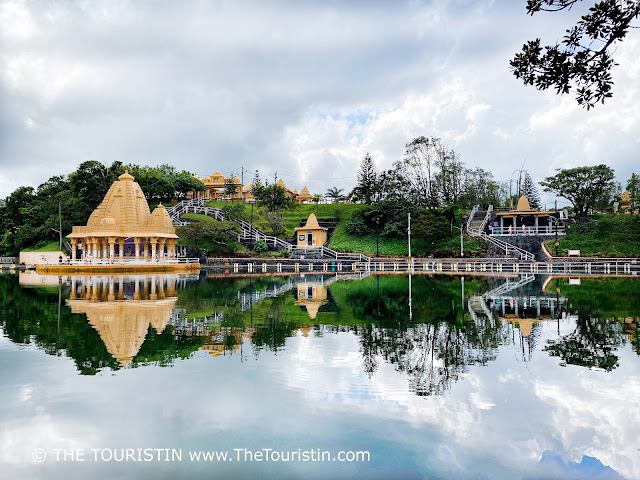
x,y
523,204
124,203
160,217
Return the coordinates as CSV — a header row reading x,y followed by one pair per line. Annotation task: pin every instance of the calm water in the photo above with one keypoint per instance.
x,y
432,377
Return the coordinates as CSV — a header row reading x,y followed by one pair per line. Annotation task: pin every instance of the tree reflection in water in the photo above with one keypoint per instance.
x,y
452,324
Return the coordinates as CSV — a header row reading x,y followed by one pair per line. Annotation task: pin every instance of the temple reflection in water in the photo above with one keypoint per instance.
x,y
432,331
121,308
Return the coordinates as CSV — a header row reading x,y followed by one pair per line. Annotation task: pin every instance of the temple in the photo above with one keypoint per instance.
x,y
312,234
123,228
524,220
216,184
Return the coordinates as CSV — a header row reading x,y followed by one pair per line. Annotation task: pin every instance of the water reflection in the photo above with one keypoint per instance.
x,y
431,329
121,309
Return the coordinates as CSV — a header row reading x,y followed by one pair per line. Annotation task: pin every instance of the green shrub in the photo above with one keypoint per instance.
x,y
356,226
233,211
260,246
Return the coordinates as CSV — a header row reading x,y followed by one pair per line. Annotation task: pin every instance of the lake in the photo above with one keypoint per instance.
x,y
319,376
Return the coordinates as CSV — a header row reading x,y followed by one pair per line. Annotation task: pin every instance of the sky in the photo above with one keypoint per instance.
x,y
303,89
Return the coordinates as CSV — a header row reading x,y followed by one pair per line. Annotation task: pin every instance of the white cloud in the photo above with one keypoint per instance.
x,y
305,89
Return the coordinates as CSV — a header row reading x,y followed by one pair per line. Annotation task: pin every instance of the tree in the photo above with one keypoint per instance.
x,y
367,180
431,228
207,234
633,186
449,178
89,184
335,193
584,56
317,198
432,171
417,168
584,187
480,188
230,188
530,190
274,202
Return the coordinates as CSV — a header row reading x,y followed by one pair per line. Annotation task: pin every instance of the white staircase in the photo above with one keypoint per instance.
x,y
476,228
250,234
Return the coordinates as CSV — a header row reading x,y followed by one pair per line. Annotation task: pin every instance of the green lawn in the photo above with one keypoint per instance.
x,y
366,244
614,236
49,247
292,219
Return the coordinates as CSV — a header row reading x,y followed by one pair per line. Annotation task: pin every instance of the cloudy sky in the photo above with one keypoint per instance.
x,y
301,88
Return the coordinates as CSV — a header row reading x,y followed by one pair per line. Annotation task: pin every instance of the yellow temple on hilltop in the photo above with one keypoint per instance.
x,y
215,189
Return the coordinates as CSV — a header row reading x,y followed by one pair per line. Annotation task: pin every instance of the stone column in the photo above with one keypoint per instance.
x,y
161,243
146,248
121,288
74,245
171,288
112,247
112,293
121,247
154,241
536,223
153,295
72,294
102,249
136,242
136,290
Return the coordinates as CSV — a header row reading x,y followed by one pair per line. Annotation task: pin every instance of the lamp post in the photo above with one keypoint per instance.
x,y
556,211
461,241
409,232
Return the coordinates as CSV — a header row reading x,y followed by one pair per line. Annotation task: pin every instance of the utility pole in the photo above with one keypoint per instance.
x,y
60,222
252,223
409,232
275,178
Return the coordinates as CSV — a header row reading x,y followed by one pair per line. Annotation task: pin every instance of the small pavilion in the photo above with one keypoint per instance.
x,y
524,220
123,226
312,234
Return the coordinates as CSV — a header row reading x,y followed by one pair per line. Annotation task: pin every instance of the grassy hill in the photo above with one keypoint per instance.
x,y
610,236
342,241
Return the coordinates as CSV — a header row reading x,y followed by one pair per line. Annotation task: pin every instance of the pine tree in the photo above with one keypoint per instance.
x,y
530,190
367,180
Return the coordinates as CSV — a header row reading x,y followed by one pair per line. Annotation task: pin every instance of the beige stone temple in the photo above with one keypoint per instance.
x,y
123,228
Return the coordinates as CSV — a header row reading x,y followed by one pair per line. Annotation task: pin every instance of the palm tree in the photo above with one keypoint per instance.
x,y
335,193
317,198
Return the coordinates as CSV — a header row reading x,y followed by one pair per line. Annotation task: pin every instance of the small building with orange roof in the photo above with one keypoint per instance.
x,y
311,234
